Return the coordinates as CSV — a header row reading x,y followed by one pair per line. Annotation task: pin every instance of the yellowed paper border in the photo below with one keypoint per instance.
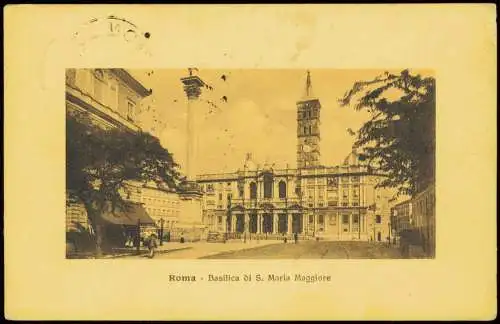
x,y
457,41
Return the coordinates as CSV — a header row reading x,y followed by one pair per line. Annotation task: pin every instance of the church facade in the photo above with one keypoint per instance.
x,y
333,202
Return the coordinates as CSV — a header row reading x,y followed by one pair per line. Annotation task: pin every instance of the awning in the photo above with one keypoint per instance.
x,y
129,214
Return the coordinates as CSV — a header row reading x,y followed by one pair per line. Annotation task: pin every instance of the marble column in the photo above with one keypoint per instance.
x,y
193,86
259,223
289,224
275,222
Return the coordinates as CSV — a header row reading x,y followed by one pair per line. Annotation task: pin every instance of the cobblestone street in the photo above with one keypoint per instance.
x,y
316,250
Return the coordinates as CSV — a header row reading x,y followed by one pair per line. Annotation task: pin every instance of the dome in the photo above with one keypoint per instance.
x,y
250,163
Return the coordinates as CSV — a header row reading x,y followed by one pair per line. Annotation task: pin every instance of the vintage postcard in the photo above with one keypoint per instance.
x,y
320,160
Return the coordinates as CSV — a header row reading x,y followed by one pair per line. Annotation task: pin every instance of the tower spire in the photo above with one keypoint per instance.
x,y
308,93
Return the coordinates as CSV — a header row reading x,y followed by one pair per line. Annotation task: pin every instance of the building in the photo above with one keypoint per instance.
x,y
114,98
333,202
418,217
424,214
111,96
401,218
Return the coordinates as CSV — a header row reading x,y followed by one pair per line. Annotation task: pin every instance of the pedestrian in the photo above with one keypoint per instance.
x,y
152,245
128,242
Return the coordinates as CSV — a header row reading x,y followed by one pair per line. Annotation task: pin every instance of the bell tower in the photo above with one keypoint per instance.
x,y
308,126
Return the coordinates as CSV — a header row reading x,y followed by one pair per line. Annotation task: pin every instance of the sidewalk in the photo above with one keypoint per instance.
x,y
188,250
201,249
165,248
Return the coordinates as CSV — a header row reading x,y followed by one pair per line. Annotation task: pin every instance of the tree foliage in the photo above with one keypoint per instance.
x,y
399,138
100,161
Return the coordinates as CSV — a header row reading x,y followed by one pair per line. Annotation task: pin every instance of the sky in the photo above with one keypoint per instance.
x,y
259,116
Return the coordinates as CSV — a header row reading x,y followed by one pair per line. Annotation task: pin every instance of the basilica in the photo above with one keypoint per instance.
x,y
338,202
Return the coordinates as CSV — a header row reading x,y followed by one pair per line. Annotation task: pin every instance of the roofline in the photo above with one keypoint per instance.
x,y
132,82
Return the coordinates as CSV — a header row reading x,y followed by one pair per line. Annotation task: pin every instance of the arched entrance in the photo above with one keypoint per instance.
x,y
267,223
283,223
297,223
240,223
253,223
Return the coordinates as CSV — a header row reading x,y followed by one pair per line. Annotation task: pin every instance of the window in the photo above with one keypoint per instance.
x,y
130,110
345,219
333,220
220,196
113,95
253,190
268,186
355,219
332,182
310,128
282,189
321,219
99,85
378,219
219,219
311,219
229,196
305,130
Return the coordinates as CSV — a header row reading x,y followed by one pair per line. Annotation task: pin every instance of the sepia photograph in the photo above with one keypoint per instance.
x,y
250,163
286,162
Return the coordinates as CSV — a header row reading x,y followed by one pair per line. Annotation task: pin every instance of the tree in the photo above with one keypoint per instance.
x,y
399,138
99,162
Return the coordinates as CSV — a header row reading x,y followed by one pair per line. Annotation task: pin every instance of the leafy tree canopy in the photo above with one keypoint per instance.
x,y
399,138
100,161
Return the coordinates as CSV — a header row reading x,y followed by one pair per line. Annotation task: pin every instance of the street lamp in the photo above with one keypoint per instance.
x,y
161,231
